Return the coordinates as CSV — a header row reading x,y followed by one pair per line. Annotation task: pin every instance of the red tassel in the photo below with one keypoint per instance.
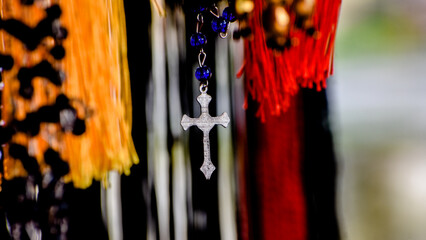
x,y
272,202
271,78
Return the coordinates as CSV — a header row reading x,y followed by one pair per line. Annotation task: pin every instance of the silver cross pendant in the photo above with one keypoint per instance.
x,y
205,122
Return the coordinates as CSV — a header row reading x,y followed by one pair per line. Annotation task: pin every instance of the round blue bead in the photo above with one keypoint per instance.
x,y
220,24
229,15
198,40
203,73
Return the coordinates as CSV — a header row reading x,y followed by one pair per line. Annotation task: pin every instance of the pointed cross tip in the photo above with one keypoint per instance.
x,y
207,169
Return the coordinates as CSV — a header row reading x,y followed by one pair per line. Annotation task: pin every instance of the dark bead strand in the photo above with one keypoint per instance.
x,y
199,40
219,24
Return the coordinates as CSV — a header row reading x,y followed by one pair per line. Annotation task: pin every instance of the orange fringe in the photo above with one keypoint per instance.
x,y
97,77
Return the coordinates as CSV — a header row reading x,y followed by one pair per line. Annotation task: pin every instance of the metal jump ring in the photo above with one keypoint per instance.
x,y
225,34
202,55
198,27
216,14
200,18
204,87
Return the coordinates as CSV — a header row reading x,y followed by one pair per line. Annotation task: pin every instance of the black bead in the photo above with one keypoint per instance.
x,y
79,127
18,151
30,125
6,134
310,31
236,35
54,12
245,32
6,62
26,91
49,114
271,43
62,101
59,167
32,167
58,52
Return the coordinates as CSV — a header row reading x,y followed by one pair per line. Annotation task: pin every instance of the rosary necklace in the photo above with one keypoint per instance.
x,y
203,73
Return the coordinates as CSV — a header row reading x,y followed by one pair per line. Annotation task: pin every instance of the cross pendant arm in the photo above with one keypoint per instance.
x,y
187,122
222,120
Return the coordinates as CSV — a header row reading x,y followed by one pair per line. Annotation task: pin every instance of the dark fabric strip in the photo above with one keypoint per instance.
x,y
319,168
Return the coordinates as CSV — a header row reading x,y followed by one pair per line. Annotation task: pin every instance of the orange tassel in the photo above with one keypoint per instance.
x,y
97,82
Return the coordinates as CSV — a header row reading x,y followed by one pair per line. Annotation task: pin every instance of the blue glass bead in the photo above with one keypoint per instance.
x,y
229,15
203,73
199,9
198,40
220,24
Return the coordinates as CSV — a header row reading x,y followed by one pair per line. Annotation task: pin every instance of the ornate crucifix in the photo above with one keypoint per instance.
x,y
205,122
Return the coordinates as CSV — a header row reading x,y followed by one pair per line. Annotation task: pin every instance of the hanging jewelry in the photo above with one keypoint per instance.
x,y
203,73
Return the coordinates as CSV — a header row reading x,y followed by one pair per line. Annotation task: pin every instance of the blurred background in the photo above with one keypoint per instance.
x,y
378,113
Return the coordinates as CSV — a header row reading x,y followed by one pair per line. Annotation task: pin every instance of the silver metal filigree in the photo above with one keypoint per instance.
x,y
205,123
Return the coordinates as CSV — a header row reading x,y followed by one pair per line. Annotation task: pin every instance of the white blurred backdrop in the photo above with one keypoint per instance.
x,y
378,110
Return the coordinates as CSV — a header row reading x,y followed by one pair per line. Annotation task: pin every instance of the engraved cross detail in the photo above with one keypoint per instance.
x,y
205,123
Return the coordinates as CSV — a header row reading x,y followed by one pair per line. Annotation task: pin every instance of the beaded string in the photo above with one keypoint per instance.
x,y
220,25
